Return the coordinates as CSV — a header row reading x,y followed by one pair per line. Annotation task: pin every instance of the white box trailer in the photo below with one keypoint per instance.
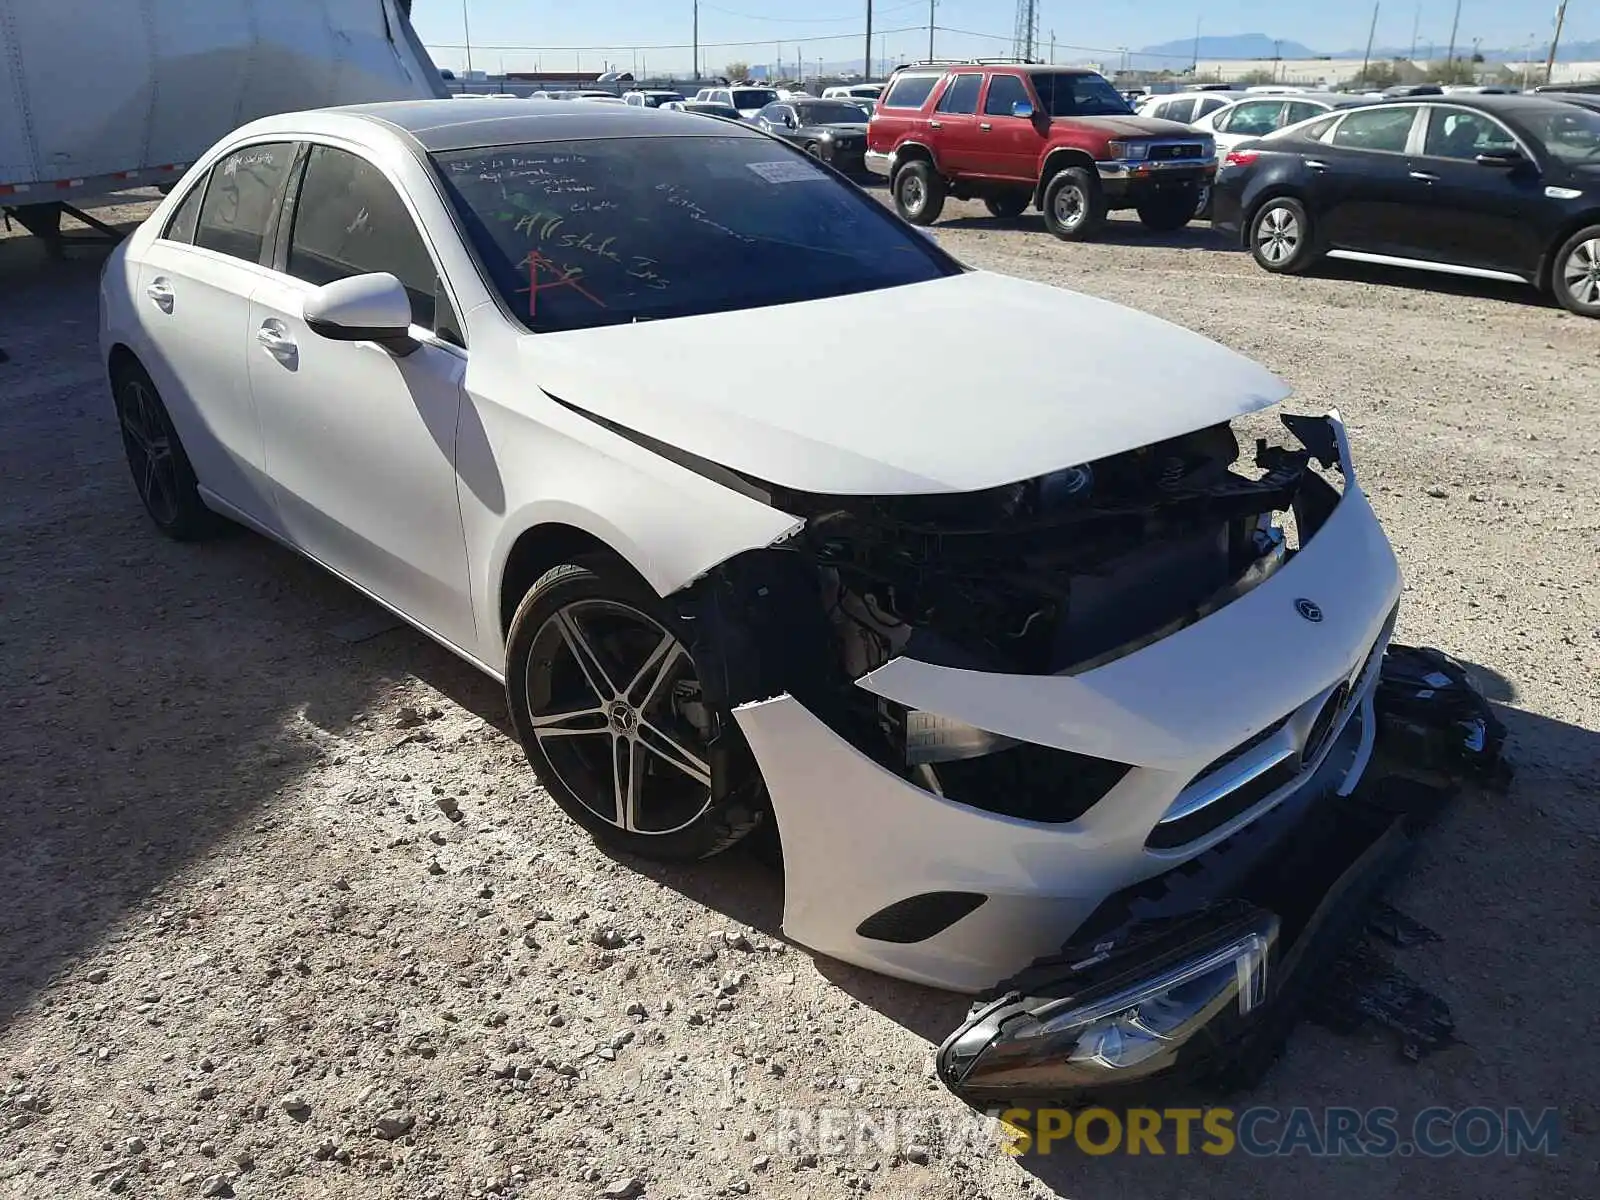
x,y
99,96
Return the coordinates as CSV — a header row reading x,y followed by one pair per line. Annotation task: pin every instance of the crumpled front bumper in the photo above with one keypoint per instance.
x,y
885,874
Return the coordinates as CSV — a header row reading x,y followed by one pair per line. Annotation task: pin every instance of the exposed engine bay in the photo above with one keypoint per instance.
x,y
1052,575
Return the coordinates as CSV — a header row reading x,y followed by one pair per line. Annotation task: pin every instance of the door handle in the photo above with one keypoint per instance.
x,y
935,125
985,126
1425,177
1316,164
276,340
161,292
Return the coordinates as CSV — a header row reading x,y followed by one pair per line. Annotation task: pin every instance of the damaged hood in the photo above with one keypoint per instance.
x,y
954,385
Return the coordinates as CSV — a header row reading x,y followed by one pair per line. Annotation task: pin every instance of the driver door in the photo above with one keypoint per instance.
x,y
360,443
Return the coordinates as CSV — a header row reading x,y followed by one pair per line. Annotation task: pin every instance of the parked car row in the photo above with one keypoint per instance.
x,y
1480,184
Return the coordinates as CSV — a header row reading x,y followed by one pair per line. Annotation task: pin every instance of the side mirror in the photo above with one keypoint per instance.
x,y
1504,159
1022,109
363,308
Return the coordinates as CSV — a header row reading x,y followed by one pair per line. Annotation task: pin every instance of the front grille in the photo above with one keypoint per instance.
x,y
1172,150
1241,749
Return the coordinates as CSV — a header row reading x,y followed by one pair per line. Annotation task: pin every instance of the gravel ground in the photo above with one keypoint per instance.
x,y
287,916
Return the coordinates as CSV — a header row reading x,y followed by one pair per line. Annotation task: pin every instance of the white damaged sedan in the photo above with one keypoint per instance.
x,y
771,515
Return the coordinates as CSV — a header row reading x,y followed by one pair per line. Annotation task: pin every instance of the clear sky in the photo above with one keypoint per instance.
x,y
570,33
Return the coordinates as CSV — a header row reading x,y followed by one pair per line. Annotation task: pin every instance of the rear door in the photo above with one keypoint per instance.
x,y
1366,197
900,117
955,126
1472,215
194,291
1016,143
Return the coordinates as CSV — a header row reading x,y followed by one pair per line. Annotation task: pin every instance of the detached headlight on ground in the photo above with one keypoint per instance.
x,y
1129,1012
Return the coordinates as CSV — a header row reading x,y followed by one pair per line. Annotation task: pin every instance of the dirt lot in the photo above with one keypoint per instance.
x,y
245,951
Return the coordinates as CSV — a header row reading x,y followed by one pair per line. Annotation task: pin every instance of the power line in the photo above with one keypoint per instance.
x,y
811,20
821,37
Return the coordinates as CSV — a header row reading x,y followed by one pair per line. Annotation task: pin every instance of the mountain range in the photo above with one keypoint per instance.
x,y
1259,45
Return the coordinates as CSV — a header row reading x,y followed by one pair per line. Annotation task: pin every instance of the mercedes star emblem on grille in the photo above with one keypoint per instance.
x,y
1308,609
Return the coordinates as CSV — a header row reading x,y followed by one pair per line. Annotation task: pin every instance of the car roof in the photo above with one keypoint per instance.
x,y
1020,68
1503,104
445,125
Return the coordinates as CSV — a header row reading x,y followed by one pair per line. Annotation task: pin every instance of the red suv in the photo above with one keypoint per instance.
x,y
1019,134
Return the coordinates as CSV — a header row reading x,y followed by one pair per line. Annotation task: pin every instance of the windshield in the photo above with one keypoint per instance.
x,y
1573,137
1079,95
603,232
831,113
753,97
657,99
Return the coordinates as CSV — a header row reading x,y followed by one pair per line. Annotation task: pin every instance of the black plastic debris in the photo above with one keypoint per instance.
x,y
1433,720
1364,987
1393,926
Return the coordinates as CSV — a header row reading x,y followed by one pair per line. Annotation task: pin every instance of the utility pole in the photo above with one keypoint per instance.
x,y
931,3
866,60
697,40
1416,24
1052,47
1366,59
1194,66
1450,54
1550,62
466,30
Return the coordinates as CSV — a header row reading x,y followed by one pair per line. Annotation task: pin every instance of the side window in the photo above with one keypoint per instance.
x,y
1207,106
187,215
1318,130
350,221
1253,118
1299,110
909,91
241,200
961,94
1456,133
1181,111
1004,91
1380,128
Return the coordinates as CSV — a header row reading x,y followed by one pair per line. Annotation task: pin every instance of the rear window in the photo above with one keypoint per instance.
x,y
909,91
753,97
609,231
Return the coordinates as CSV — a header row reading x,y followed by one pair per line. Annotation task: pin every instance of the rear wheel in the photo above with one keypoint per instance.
x,y
1169,211
1281,236
609,709
919,193
161,471
1074,207
1575,277
1008,205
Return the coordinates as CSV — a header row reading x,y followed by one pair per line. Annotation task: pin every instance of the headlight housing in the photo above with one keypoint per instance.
x,y
1130,151
1128,1012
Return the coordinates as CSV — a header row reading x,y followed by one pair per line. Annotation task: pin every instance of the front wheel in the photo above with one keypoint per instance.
x,y
1074,206
1280,237
609,709
1169,211
919,193
1575,277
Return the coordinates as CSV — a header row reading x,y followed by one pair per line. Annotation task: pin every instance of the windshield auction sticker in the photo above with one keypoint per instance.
x,y
786,172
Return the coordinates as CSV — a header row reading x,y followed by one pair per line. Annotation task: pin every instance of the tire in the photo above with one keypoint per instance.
x,y
1281,237
161,471
1202,203
1575,273
1074,207
1170,212
586,634
1007,206
919,192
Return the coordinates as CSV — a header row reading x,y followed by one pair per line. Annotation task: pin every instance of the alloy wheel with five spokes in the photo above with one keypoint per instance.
x,y
608,704
1281,236
1579,274
149,450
